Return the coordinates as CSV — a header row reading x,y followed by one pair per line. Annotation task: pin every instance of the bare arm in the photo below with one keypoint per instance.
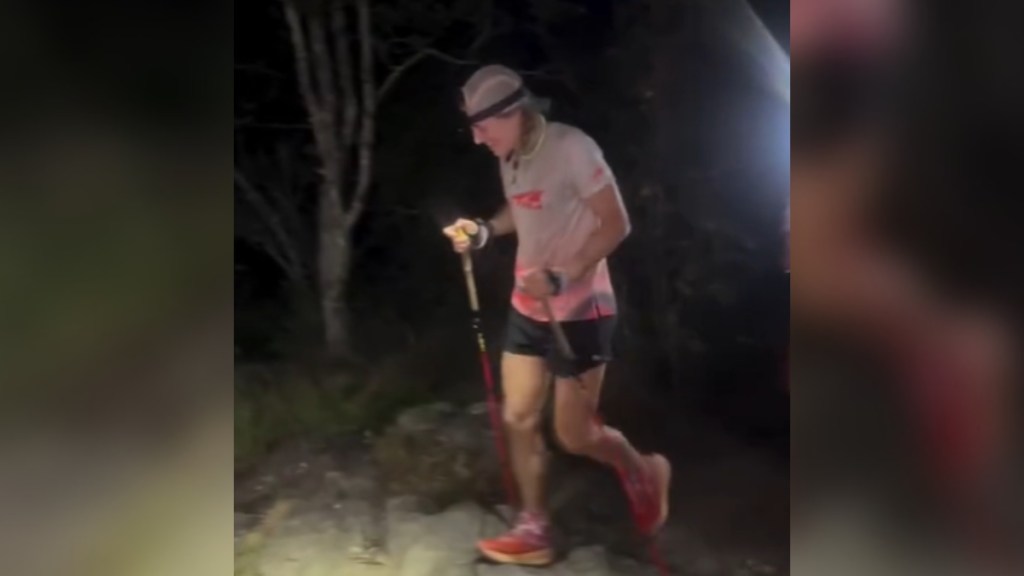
x,y
502,223
607,206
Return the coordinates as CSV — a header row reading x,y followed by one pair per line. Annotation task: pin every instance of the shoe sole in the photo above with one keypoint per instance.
x,y
664,471
538,558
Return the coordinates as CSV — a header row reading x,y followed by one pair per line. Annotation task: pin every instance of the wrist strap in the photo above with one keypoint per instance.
x,y
557,281
483,234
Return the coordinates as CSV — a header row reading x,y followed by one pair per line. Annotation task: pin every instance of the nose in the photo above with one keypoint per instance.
x,y
478,137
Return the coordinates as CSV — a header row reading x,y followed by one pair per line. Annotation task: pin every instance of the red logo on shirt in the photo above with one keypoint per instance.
x,y
530,200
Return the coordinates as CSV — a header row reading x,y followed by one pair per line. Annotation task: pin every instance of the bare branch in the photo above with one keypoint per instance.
x,y
544,12
425,50
285,250
366,136
265,245
448,57
324,80
397,72
486,29
290,196
343,61
302,70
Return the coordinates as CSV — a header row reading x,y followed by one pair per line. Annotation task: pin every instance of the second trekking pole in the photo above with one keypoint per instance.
x,y
566,351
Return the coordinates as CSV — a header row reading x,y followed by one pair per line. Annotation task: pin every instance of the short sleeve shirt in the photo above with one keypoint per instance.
x,y
547,195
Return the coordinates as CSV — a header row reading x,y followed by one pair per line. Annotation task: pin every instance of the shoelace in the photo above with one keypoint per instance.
x,y
529,526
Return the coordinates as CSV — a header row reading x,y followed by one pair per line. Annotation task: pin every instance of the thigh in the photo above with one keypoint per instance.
x,y
524,384
576,399
525,336
591,343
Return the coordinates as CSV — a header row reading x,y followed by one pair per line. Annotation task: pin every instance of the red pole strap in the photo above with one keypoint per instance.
x,y
494,409
493,406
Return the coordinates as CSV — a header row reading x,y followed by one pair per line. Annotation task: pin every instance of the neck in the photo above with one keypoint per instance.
x,y
533,136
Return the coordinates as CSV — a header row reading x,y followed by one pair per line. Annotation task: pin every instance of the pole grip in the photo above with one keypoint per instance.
x,y
467,271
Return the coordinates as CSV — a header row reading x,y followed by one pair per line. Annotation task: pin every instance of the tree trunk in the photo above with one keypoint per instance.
x,y
335,256
343,138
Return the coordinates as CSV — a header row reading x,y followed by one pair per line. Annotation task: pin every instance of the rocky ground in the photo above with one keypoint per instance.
x,y
413,502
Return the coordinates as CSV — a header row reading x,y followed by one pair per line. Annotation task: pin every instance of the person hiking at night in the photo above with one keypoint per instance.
x,y
564,205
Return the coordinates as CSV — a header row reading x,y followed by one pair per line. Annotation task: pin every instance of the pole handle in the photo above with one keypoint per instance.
x,y
467,271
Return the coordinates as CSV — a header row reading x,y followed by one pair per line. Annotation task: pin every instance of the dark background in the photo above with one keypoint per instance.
x,y
696,128
674,93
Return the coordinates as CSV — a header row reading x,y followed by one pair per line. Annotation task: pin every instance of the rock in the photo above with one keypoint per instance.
x,y
455,530
307,552
357,483
495,522
759,568
588,506
439,454
244,522
425,418
588,560
405,504
442,544
429,559
706,566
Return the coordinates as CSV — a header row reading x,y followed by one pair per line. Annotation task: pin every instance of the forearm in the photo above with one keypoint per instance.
x,y
502,222
601,243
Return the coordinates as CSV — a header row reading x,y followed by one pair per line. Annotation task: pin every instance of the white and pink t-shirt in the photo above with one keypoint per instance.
x,y
546,193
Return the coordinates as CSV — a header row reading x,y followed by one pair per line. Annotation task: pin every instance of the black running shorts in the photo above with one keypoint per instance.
x,y
590,340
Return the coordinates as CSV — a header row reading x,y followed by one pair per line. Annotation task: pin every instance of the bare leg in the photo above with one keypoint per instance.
x,y
579,431
524,380
576,403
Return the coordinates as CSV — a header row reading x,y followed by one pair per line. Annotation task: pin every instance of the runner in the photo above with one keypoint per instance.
x,y
563,204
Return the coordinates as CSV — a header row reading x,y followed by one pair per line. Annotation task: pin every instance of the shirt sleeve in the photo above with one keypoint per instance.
x,y
588,171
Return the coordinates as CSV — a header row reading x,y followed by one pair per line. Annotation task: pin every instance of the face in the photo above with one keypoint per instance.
x,y
499,133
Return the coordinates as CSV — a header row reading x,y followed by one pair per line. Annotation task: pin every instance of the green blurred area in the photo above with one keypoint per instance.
x,y
89,276
115,253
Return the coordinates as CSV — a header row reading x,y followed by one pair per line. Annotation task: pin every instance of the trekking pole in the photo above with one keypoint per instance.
x,y
565,349
492,398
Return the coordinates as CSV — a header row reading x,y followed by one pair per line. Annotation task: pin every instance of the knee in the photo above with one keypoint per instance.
x,y
519,420
578,440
